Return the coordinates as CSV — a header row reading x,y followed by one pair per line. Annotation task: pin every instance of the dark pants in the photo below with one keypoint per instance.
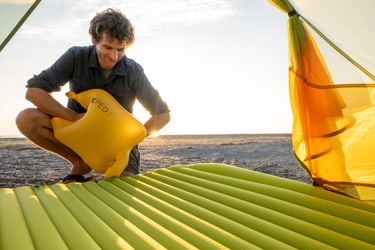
x,y
134,161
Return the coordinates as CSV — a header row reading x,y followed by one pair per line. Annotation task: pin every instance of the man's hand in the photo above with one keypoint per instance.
x,y
78,116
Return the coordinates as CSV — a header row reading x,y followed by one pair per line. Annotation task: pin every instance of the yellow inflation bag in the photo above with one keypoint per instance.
x,y
104,136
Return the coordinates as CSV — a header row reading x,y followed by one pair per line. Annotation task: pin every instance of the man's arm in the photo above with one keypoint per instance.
x,y
156,122
49,105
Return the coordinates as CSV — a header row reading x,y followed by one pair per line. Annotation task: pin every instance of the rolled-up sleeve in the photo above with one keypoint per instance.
x,y
146,94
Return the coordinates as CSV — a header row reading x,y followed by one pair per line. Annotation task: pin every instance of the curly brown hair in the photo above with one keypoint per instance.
x,y
115,24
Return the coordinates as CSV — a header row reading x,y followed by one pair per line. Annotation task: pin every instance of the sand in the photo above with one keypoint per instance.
x,y
24,164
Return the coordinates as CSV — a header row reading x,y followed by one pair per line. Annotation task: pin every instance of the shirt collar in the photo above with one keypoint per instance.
x,y
119,69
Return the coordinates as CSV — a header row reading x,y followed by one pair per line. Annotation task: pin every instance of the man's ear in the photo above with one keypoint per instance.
x,y
94,42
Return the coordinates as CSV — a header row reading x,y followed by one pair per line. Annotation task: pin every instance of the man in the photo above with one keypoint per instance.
x,y
102,65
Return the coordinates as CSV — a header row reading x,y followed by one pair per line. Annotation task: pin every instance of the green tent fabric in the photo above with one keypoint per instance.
x,y
201,206
12,15
331,93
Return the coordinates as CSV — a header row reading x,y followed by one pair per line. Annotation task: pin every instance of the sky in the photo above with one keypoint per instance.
x,y
221,65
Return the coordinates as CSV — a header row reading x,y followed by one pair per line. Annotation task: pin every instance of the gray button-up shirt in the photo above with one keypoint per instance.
x,y
79,66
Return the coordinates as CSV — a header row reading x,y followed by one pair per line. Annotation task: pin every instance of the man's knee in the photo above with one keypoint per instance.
x,y
28,119
22,118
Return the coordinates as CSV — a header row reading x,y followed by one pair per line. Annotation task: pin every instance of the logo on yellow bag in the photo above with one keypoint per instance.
x,y
99,104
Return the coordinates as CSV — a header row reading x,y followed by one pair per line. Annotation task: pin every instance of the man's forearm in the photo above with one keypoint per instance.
x,y
156,122
49,105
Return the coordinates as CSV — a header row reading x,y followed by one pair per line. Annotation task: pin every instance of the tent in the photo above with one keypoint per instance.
x,y
331,82
332,74
17,13
214,206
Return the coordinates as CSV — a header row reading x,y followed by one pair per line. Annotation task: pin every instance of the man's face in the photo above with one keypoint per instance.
x,y
109,52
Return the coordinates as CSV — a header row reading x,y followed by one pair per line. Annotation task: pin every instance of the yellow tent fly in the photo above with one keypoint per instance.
x,y
332,92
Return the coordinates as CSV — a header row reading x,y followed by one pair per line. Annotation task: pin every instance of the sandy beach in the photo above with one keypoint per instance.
x,y
24,164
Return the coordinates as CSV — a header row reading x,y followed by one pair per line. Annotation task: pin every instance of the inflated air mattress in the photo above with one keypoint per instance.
x,y
202,206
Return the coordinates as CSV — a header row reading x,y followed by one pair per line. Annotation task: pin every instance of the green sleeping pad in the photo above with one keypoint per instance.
x,y
201,206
